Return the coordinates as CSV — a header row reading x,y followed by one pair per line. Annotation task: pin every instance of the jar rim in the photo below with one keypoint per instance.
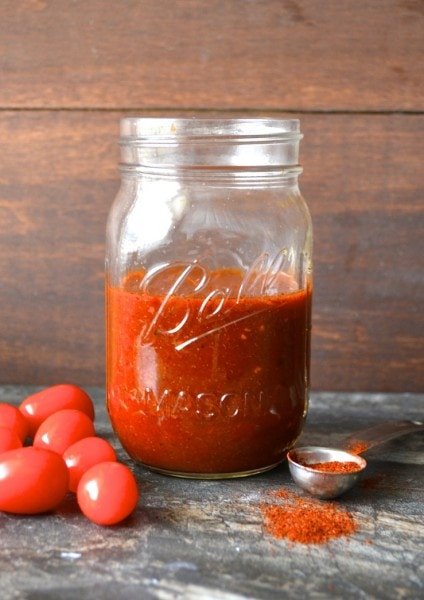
x,y
169,130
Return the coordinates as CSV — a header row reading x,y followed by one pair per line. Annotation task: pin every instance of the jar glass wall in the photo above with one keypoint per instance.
x,y
208,286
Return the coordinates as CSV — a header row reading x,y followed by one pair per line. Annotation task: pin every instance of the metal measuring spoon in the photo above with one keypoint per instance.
x,y
329,484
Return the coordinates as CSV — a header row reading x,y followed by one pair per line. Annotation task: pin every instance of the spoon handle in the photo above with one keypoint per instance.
x,y
367,438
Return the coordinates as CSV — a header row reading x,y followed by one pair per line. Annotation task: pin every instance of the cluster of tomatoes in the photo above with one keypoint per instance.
x,y
65,456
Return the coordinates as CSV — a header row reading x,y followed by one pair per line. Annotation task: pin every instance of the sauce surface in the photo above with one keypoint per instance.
x,y
207,371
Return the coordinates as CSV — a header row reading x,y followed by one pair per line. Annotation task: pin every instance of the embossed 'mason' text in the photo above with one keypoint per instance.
x,y
175,404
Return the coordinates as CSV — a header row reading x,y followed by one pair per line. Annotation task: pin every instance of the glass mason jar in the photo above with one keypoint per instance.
x,y
208,290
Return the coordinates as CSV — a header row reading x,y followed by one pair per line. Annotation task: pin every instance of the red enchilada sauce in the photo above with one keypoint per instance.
x,y
207,370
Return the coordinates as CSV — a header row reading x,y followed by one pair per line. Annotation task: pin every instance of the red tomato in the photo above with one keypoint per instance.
x,y
37,407
83,455
9,439
62,429
12,418
32,480
107,493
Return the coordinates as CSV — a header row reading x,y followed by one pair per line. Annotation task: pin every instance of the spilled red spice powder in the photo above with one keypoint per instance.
x,y
378,480
358,447
306,520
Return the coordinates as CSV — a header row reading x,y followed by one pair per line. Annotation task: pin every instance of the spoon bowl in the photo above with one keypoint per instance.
x,y
322,483
307,464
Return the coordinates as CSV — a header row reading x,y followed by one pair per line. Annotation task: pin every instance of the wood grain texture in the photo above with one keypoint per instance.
x,y
362,181
298,55
353,72
192,540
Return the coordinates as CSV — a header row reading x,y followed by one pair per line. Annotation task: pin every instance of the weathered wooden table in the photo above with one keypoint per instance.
x,y
206,539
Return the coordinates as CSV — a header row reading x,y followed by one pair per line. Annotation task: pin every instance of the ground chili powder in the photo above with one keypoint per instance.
x,y
334,466
358,446
305,520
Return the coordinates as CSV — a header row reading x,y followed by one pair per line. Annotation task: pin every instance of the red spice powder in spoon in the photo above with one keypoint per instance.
x,y
333,466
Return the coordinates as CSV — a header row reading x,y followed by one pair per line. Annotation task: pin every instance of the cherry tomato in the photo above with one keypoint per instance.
x,y
32,480
62,429
107,493
12,418
37,407
83,455
9,439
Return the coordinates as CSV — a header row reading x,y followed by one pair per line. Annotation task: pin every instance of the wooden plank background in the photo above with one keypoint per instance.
x,y
352,72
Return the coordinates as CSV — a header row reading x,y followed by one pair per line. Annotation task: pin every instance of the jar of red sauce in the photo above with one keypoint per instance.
x,y
208,290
